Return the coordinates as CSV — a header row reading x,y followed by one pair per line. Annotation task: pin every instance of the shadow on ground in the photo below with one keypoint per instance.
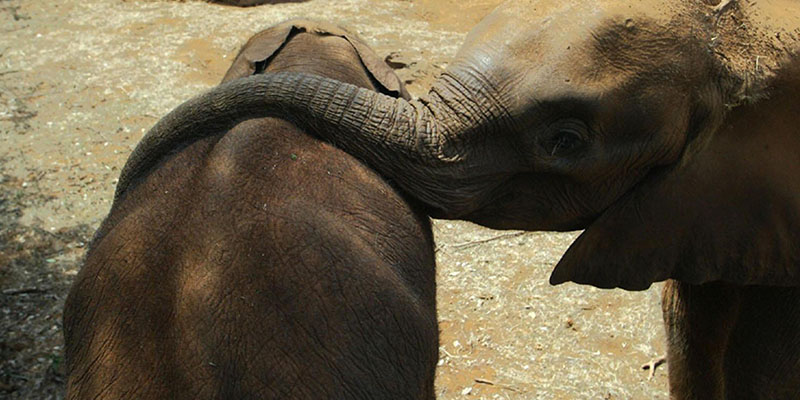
x,y
36,270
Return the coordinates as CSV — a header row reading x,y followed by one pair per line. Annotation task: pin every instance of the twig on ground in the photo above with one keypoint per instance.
x,y
482,241
652,365
447,353
29,290
490,383
722,7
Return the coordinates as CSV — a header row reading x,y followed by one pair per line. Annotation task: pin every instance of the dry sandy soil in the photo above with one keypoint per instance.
x,y
82,80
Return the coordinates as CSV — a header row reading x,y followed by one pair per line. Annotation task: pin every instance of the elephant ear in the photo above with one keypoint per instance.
x,y
258,49
265,44
729,211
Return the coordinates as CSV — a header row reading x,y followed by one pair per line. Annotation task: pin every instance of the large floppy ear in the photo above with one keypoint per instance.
x,y
265,44
729,211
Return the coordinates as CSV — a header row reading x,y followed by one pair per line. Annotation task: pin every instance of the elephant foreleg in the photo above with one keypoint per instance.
x,y
698,322
731,341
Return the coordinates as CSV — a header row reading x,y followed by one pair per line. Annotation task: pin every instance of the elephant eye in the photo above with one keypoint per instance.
x,y
566,137
563,142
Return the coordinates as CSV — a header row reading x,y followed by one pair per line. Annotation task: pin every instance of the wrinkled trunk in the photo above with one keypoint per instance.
x,y
420,145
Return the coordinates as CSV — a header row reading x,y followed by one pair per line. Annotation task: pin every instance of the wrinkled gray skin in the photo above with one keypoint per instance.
x,y
616,117
259,262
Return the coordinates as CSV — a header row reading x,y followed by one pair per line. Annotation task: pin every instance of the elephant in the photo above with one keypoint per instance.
x,y
667,131
260,262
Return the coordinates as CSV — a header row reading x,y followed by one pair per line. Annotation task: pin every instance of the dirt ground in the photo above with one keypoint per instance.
x,y
82,80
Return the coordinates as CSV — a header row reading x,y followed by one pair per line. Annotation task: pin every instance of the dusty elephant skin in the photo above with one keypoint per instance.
x,y
668,130
259,262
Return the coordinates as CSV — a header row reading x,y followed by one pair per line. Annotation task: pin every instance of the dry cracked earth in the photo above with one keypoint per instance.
x,y
82,80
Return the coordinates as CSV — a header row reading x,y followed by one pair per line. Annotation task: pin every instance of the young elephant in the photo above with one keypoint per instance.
x,y
259,262
668,130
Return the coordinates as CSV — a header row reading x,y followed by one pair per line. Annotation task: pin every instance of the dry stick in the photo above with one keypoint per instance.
x,y
488,382
448,353
722,6
13,292
476,242
652,365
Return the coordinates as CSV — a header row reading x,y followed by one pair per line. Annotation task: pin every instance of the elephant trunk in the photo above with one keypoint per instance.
x,y
421,144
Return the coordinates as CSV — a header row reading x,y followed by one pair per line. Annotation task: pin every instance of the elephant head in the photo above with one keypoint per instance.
x,y
637,121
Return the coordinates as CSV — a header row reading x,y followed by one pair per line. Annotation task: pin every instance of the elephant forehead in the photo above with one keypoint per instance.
x,y
660,10
517,19
556,36
537,30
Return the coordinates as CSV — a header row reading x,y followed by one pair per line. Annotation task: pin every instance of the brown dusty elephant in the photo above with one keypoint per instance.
x,y
669,131
257,262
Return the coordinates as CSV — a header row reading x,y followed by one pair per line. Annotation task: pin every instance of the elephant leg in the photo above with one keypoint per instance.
x,y
698,321
731,341
763,358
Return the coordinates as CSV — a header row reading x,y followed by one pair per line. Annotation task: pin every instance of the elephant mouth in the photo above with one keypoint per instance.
x,y
518,204
465,199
